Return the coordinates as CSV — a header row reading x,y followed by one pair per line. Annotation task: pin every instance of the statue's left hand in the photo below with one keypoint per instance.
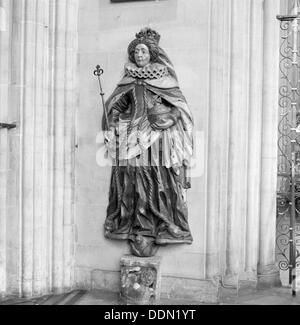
x,y
162,124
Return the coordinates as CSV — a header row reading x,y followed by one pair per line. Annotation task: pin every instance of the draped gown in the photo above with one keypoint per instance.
x,y
150,143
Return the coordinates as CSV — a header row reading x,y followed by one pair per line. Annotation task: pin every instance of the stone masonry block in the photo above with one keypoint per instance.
x,y
140,280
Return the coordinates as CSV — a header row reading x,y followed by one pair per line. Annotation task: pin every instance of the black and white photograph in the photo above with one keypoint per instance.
x,y
150,155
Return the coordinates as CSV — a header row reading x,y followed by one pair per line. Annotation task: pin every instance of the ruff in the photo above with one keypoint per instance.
x,y
151,71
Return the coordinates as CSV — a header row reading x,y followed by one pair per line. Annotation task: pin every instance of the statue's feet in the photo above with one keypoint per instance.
x,y
172,234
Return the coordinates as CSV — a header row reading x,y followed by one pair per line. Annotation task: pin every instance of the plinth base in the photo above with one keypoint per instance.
x,y
140,280
268,277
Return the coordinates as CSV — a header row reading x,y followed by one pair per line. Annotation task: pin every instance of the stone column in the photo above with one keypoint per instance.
x,y
268,272
255,102
3,17
238,135
246,78
217,147
43,101
62,105
4,87
242,140
236,73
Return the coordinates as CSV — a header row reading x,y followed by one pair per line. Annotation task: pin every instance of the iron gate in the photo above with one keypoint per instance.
x,y
288,192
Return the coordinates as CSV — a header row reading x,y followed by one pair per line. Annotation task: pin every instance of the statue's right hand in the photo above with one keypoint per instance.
x,y
109,135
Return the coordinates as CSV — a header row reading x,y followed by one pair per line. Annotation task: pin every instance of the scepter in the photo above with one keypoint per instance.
x,y
98,73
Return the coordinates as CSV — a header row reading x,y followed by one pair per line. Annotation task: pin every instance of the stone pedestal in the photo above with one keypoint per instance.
x,y
140,280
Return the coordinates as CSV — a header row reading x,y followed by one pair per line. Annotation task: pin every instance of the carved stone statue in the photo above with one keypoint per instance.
x,y
149,138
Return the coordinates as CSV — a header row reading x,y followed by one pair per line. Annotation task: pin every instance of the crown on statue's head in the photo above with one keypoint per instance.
x,y
148,34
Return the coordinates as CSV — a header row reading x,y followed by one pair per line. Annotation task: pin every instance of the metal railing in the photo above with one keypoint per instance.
x,y
288,194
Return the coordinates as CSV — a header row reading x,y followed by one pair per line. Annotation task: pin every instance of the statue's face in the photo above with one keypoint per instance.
x,y
142,55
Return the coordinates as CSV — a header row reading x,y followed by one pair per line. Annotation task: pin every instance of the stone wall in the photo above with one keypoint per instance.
x,y
225,54
105,32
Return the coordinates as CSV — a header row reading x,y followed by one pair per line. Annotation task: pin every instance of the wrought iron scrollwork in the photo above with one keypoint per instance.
x,y
288,189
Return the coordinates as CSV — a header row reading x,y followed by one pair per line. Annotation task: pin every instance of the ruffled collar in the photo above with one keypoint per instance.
x,y
151,71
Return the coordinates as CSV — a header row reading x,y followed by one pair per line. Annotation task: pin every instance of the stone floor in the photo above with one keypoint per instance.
x,y
275,296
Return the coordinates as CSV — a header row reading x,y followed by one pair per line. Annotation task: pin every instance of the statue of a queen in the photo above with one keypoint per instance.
x,y
148,136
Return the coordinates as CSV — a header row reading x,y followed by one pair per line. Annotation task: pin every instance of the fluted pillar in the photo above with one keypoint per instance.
x,y
255,123
40,239
242,140
4,87
238,128
3,17
217,161
268,270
